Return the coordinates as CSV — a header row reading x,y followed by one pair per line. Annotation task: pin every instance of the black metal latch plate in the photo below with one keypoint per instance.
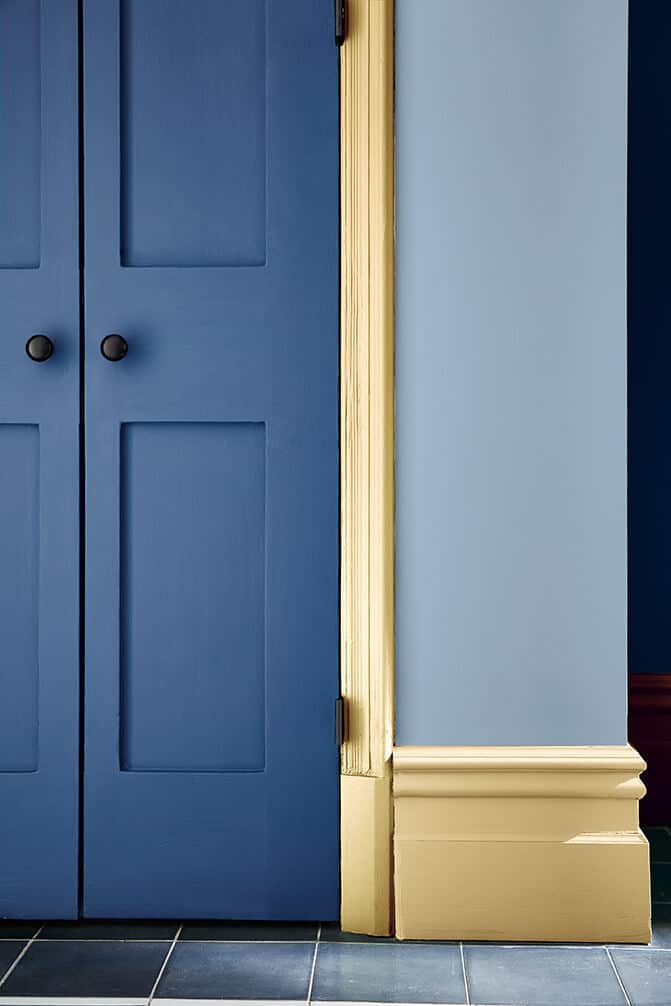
x,y
340,721
340,21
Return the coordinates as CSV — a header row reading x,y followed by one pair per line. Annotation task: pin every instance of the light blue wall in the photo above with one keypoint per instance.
x,y
511,371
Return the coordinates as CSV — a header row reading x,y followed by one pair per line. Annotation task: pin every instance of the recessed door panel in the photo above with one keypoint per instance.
x,y
193,528
193,184
20,133
39,474
211,246
19,595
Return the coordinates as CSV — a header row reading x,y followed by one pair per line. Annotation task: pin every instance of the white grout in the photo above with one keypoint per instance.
x,y
314,964
231,1002
153,1001
21,956
463,968
165,963
617,975
187,941
633,947
281,1002
98,939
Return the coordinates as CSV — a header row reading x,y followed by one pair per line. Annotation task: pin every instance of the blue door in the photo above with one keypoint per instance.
x,y
211,428
39,467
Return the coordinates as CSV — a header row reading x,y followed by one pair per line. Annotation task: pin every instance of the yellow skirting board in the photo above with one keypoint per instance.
x,y
528,843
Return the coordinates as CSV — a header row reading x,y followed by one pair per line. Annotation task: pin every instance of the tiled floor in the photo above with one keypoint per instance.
x,y
131,964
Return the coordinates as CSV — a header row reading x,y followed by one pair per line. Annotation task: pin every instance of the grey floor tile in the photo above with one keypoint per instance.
x,y
661,930
73,968
542,976
660,844
661,926
93,929
11,930
238,971
388,972
293,932
660,876
332,933
9,951
646,975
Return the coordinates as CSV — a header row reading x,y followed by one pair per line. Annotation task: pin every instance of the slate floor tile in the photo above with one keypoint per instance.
x,y
661,931
541,976
93,929
646,975
388,972
11,930
332,933
96,969
9,951
296,932
661,926
660,844
660,876
238,971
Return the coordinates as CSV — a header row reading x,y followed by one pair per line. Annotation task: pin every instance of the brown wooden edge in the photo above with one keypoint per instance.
x,y
650,734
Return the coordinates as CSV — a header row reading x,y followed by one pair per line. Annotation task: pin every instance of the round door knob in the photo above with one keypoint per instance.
x,y
39,348
114,347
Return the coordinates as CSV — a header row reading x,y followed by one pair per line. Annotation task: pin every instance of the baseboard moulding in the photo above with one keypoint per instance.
x,y
520,844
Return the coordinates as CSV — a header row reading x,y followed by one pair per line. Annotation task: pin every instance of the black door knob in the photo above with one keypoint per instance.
x,y
39,348
114,347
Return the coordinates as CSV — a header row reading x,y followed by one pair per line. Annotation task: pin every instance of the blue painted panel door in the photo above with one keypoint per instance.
x,y
39,474
211,246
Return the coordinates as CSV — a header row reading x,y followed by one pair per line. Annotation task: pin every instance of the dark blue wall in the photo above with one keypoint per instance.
x,y
649,334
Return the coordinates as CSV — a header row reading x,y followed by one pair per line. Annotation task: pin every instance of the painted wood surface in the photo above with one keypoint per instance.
x,y
39,479
211,202
367,461
520,843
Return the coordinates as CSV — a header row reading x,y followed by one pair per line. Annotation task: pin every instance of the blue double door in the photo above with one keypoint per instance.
x,y
169,459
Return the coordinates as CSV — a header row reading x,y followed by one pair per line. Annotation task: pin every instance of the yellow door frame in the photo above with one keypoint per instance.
x,y
367,465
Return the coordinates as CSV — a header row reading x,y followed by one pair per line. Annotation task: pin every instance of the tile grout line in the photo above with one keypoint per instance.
x,y
101,940
629,948
463,969
145,940
21,956
314,965
617,975
59,1000
189,940
165,963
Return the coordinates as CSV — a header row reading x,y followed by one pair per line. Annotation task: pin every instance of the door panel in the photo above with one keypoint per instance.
x,y
19,597
39,468
21,126
205,544
211,245
199,201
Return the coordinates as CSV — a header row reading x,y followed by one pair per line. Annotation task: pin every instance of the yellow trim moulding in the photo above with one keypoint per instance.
x,y
367,466
523,843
